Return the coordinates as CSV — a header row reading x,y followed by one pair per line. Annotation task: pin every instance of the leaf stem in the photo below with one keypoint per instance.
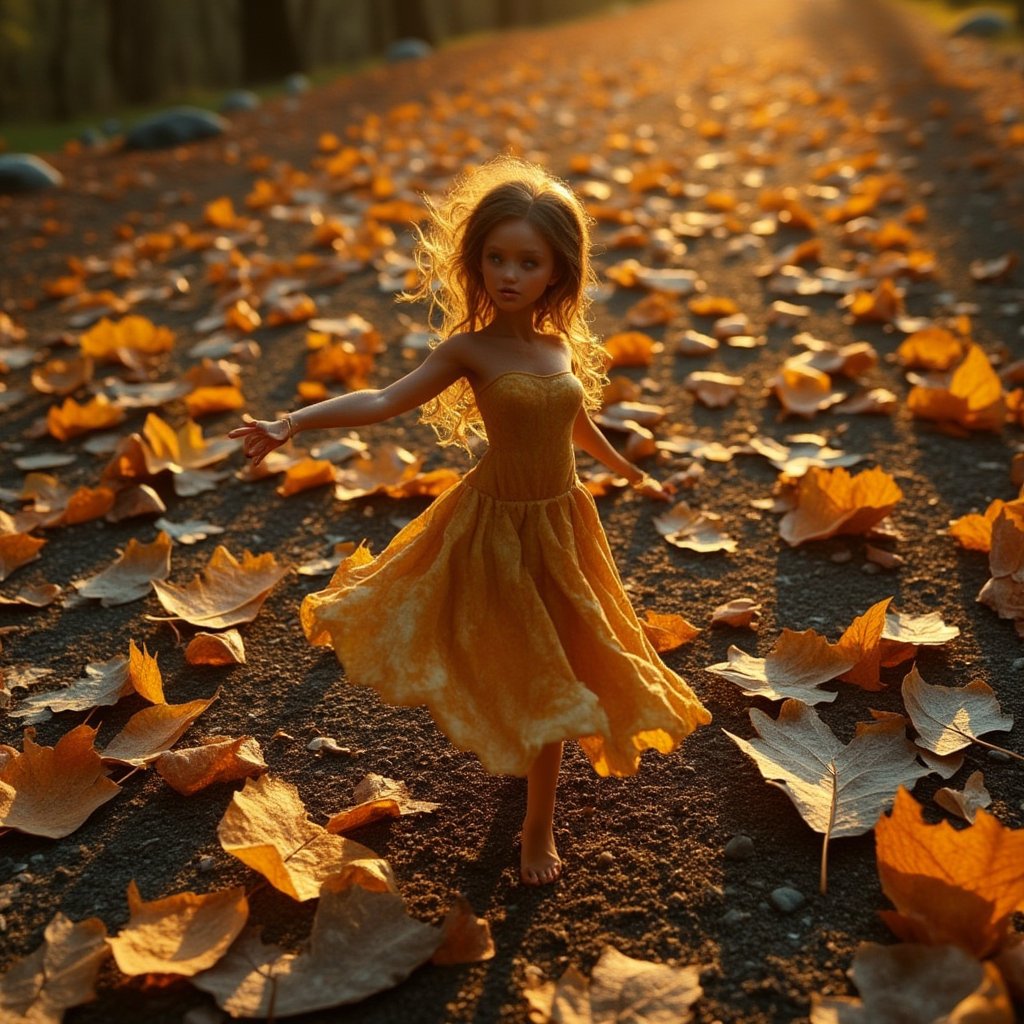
x,y
823,880
1002,750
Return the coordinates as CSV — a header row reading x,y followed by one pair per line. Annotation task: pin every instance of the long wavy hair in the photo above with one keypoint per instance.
x,y
449,254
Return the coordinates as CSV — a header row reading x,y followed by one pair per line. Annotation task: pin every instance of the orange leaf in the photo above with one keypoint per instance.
x,y
465,938
933,348
87,503
71,419
862,640
216,649
712,305
831,502
17,549
630,348
181,934
148,733
949,886
221,759
974,398
974,531
667,632
111,341
305,474
50,791
219,398
741,612
804,390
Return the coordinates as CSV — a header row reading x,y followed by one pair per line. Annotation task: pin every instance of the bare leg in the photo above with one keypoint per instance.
x,y
540,862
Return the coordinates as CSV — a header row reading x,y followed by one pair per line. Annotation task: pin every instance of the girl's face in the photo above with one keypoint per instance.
x,y
517,265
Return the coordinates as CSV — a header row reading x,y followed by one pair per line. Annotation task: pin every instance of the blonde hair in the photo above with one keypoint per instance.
x,y
449,254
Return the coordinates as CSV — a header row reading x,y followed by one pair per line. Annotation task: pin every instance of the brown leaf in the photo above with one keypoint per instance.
x,y
378,797
804,390
391,467
71,419
181,934
973,400
715,390
911,982
305,474
974,531
741,612
862,640
795,667
230,591
630,348
50,791
967,802
948,885
216,649
221,759
131,575
266,828
465,938
362,943
32,595
693,529
59,974
148,733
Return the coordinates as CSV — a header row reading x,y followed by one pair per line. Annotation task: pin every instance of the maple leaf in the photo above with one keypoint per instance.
x,y
266,828
362,942
50,791
831,502
949,885
129,577
838,790
181,934
620,988
219,759
912,982
795,667
59,974
949,718
230,591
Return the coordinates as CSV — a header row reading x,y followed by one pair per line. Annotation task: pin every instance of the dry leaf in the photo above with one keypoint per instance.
x,y
924,984
630,348
931,348
973,400
741,612
831,502
715,390
967,802
230,591
862,640
305,474
130,576
949,718
181,934
225,648
16,550
795,667
59,974
50,791
391,467
838,790
667,632
266,828
221,759
189,532
1004,592
958,886
148,733
125,340
378,797
974,531
804,390
693,529
465,938
620,989
362,942
32,595
71,419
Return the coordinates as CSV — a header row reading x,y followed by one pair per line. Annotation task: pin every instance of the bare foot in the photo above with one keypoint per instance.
x,y
539,860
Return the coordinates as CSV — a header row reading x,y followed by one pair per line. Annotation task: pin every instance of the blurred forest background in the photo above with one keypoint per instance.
x,y
69,58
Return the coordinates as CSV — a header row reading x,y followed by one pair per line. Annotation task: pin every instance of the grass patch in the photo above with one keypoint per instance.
x,y
945,16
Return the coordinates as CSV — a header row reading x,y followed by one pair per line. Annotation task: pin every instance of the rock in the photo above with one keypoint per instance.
x,y
408,49
1017,664
983,24
296,85
739,847
239,99
999,756
786,900
175,127
605,859
733,917
206,863
23,172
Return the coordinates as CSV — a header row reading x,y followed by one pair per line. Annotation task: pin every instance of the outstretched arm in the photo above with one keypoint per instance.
x,y
358,408
586,436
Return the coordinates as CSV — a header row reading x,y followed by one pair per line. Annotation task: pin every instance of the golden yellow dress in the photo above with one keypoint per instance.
x,y
500,607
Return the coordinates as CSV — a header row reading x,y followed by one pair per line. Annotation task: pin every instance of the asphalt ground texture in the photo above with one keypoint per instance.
x,y
652,73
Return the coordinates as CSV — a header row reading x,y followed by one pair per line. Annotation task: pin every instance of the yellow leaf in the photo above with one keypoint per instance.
x,y
181,934
148,733
222,759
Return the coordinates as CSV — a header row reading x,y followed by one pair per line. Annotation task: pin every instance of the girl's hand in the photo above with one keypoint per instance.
x,y
651,488
260,437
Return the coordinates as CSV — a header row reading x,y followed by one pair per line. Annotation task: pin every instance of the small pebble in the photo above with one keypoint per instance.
x,y
841,557
1000,756
739,847
786,900
870,569
1017,664
605,859
733,917
206,863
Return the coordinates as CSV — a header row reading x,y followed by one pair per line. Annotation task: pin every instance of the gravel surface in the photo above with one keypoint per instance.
x,y
695,860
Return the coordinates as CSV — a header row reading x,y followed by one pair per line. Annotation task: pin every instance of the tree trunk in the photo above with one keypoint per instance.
x,y
412,21
135,27
269,49
60,94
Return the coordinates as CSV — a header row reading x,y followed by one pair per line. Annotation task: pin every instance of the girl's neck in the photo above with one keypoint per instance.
x,y
519,326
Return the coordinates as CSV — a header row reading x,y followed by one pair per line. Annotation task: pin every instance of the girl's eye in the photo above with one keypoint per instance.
x,y
529,264
494,257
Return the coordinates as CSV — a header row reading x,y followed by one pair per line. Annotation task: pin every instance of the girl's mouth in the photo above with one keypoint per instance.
x,y
508,293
